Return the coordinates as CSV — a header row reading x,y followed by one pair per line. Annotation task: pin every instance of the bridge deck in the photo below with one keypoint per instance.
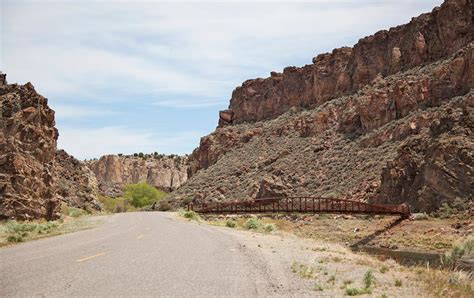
x,y
300,204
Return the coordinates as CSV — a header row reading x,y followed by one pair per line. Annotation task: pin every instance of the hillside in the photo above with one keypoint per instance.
x,y
389,120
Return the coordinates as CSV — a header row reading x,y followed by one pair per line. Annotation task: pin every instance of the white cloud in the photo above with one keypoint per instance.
x,y
86,54
76,112
93,142
155,48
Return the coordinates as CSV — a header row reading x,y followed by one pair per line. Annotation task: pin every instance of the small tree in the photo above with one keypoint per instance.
x,y
135,154
140,154
142,194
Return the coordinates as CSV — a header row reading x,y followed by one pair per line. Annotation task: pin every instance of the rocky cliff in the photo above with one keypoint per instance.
x,y
113,172
77,185
27,152
427,38
34,177
389,120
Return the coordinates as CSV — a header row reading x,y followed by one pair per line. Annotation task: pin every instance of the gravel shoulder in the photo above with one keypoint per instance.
x,y
309,267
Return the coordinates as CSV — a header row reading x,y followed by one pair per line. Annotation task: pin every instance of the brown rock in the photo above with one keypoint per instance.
x,y
427,38
113,172
27,154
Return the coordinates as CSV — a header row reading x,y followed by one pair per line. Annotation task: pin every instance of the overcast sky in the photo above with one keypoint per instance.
x,y
145,76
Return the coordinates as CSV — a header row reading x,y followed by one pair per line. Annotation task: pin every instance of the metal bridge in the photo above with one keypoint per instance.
x,y
301,205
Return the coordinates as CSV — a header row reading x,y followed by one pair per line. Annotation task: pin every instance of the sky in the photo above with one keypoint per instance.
x,y
146,76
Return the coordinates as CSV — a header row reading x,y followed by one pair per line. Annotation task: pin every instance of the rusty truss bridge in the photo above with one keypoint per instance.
x,y
301,205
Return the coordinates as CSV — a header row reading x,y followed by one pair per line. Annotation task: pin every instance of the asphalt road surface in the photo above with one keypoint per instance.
x,y
136,254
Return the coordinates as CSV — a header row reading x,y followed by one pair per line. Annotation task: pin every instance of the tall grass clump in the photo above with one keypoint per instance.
x,y
465,249
369,281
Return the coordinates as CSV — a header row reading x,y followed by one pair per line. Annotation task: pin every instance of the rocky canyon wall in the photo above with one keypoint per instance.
x,y
113,172
34,177
427,38
365,123
27,153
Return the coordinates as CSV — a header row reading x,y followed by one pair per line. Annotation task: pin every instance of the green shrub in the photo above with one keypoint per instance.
x,y
357,291
191,215
252,224
317,287
15,238
19,231
230,223
269,228
15,227
142,194
116,205
369,278
383,269
458,251
398,282
76,212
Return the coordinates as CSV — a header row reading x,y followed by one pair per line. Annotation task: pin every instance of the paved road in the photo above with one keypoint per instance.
x,y
135,254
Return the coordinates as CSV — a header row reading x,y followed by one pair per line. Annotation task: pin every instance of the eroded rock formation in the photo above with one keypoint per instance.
x,y
427,38
113,172
27,153
358,123
77,185
34,177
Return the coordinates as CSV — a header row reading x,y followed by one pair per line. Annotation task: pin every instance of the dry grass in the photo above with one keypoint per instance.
x,y
65,226
446,283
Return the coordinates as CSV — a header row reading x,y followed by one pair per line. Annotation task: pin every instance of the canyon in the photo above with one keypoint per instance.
x,y
389,120
36,178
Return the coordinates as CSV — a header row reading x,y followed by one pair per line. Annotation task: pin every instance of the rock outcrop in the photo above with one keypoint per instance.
x,y
27,153
363,123
113,172
77,185
34,177
427,38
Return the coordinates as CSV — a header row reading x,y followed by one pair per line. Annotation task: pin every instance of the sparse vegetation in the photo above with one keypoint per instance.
x,y
303,271
142,194
398,282
317,287
458,208
458,251
269,228
230,223
19,232
116,205
357,291
369,278
76,212
191,215
383,269
252,224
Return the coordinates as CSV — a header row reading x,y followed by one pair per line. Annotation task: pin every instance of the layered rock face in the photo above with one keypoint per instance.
x,y
113,172
389,120
27,153
77,185
425,39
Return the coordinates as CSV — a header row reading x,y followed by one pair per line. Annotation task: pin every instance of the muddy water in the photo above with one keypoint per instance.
x,y
405,257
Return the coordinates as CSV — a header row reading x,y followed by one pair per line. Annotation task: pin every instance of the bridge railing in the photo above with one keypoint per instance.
x,y
299,204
